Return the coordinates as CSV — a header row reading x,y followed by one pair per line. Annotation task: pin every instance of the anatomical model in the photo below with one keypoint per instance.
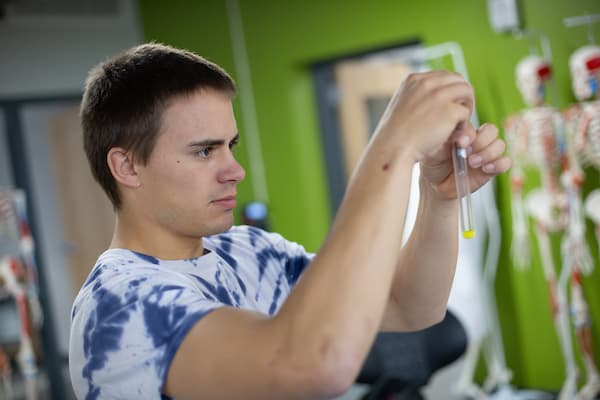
x,y
534,139
583,140
18,279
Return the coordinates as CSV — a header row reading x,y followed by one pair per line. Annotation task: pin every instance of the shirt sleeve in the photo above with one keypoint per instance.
x,y
156,314
294,257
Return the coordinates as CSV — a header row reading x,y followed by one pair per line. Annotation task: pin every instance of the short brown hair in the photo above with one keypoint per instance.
x,y
125,97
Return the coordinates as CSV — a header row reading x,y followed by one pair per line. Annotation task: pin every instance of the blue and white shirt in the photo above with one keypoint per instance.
x,y
134,310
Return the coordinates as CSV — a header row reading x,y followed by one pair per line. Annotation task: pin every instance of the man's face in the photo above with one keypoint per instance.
x,y
188,186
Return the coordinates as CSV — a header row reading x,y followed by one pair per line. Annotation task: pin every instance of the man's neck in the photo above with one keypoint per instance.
x,y
151,240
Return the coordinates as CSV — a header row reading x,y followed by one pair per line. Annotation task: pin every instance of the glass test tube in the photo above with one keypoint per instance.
x,y
463,192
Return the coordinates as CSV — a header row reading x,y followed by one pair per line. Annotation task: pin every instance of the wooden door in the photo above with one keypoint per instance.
x,y
86,212
365,87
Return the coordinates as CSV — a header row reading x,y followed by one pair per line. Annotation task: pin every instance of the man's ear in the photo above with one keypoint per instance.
x,y
122,167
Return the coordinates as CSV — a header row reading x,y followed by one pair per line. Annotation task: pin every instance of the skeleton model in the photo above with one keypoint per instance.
x,y
583,137
533,138
528,132
26,250
18,280
10,275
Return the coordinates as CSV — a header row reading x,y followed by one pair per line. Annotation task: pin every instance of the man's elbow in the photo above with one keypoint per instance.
x,y
324,377
333,379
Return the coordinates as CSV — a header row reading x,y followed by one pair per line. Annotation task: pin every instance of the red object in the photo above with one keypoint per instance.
x,y
564,161
578,179
576,276
15,268
544,72
516,182
21,301
24,229
593,64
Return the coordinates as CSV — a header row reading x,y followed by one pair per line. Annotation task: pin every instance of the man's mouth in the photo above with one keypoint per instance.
x,y
227,202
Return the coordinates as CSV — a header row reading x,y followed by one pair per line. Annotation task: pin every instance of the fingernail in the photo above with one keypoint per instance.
x,y
475,161
463,141
489,167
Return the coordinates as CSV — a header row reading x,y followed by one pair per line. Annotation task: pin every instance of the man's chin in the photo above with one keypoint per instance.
x,y
222,227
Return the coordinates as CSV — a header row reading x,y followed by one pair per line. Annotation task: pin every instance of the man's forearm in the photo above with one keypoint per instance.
x,y
341,298
426,265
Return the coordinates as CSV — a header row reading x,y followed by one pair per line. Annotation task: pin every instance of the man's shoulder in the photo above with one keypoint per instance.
x,y
115,268
116,260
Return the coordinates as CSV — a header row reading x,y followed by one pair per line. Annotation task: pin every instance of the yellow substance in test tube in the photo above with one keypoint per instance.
x,y
469,234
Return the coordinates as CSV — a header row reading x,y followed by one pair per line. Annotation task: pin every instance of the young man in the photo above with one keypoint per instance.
x,y
184,305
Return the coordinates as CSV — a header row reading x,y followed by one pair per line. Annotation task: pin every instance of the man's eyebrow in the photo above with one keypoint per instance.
x,y
212,142
207,142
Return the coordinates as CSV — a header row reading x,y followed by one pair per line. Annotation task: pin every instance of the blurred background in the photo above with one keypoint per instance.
x,y
313,78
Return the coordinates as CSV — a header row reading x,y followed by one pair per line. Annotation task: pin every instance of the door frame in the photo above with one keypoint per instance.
x,y
21,178
327,100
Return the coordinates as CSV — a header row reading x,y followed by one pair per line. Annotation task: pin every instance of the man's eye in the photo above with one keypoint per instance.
x,y
204,152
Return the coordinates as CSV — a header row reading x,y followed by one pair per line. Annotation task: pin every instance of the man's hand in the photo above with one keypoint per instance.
x,y
423,113
486,159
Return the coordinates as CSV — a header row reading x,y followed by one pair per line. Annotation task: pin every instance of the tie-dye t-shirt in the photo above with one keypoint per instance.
x,y
134,310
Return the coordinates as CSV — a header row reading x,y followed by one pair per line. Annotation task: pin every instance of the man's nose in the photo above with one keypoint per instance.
x,y
233,172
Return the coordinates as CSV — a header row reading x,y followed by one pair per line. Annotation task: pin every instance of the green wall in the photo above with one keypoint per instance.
x,y
284,37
